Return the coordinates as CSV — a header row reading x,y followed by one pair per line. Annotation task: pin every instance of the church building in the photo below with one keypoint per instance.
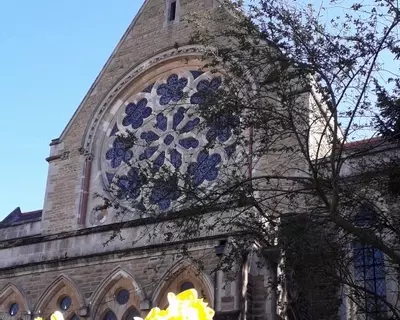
x,y
90,261
59,258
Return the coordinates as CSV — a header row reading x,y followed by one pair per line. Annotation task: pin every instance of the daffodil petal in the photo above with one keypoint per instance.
x,y
57,316
190,294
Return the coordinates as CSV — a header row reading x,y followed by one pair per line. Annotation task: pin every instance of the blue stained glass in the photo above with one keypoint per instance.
x,y
14,308
178,117
164,192
110,316
159,161
205,90
222,127
110,177
205,168
196,73
130,184
370,273
190,125
370,285
172,90
378,256
123,296
148,152
168,139
176,158
65,303
161,146
161,122
359,273
149,136
136,113
189,142
381,287
118,153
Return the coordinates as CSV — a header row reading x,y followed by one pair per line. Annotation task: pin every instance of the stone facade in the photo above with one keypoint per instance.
x,y
56,258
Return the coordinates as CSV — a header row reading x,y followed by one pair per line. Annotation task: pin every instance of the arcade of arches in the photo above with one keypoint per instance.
x,y
118,297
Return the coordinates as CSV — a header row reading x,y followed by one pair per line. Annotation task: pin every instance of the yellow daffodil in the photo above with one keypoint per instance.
x,y
55,316
184,306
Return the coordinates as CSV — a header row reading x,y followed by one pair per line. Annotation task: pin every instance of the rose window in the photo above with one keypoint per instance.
x,y
168,135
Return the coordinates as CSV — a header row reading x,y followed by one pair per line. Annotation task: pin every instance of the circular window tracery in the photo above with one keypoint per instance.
x,y
122,296
170,134
110,316
14,308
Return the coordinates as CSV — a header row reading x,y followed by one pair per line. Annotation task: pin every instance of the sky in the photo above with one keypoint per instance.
x,y
51,52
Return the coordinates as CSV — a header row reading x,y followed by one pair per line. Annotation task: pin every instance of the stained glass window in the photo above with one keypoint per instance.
x,y
110,316
186,286
122,296
65,303
369,270
131,313
13,309
172,136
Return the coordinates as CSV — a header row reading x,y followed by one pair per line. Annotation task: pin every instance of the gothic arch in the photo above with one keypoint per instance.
x,y
135,73
105,297
59,289
11,294
182,272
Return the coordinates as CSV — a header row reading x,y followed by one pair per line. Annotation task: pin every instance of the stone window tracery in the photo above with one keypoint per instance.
x,y
122,296
169,135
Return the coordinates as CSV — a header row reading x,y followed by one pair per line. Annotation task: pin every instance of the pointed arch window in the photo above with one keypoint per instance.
x,y
369,269
171,12
131,313
110,315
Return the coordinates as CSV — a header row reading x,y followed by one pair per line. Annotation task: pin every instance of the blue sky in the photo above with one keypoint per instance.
x,y
51,52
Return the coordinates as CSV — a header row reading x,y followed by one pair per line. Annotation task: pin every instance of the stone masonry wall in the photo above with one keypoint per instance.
x,y
147,36
147,268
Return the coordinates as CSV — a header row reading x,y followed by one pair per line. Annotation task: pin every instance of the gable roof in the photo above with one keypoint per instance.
x,y
19,217
107,64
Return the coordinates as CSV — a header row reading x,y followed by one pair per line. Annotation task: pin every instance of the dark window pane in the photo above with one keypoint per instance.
x,y
186,286
172,11
369,272
110,316
122,296
65,303
13,309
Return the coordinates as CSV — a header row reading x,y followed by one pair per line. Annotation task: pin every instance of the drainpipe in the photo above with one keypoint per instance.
x,y
85,190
